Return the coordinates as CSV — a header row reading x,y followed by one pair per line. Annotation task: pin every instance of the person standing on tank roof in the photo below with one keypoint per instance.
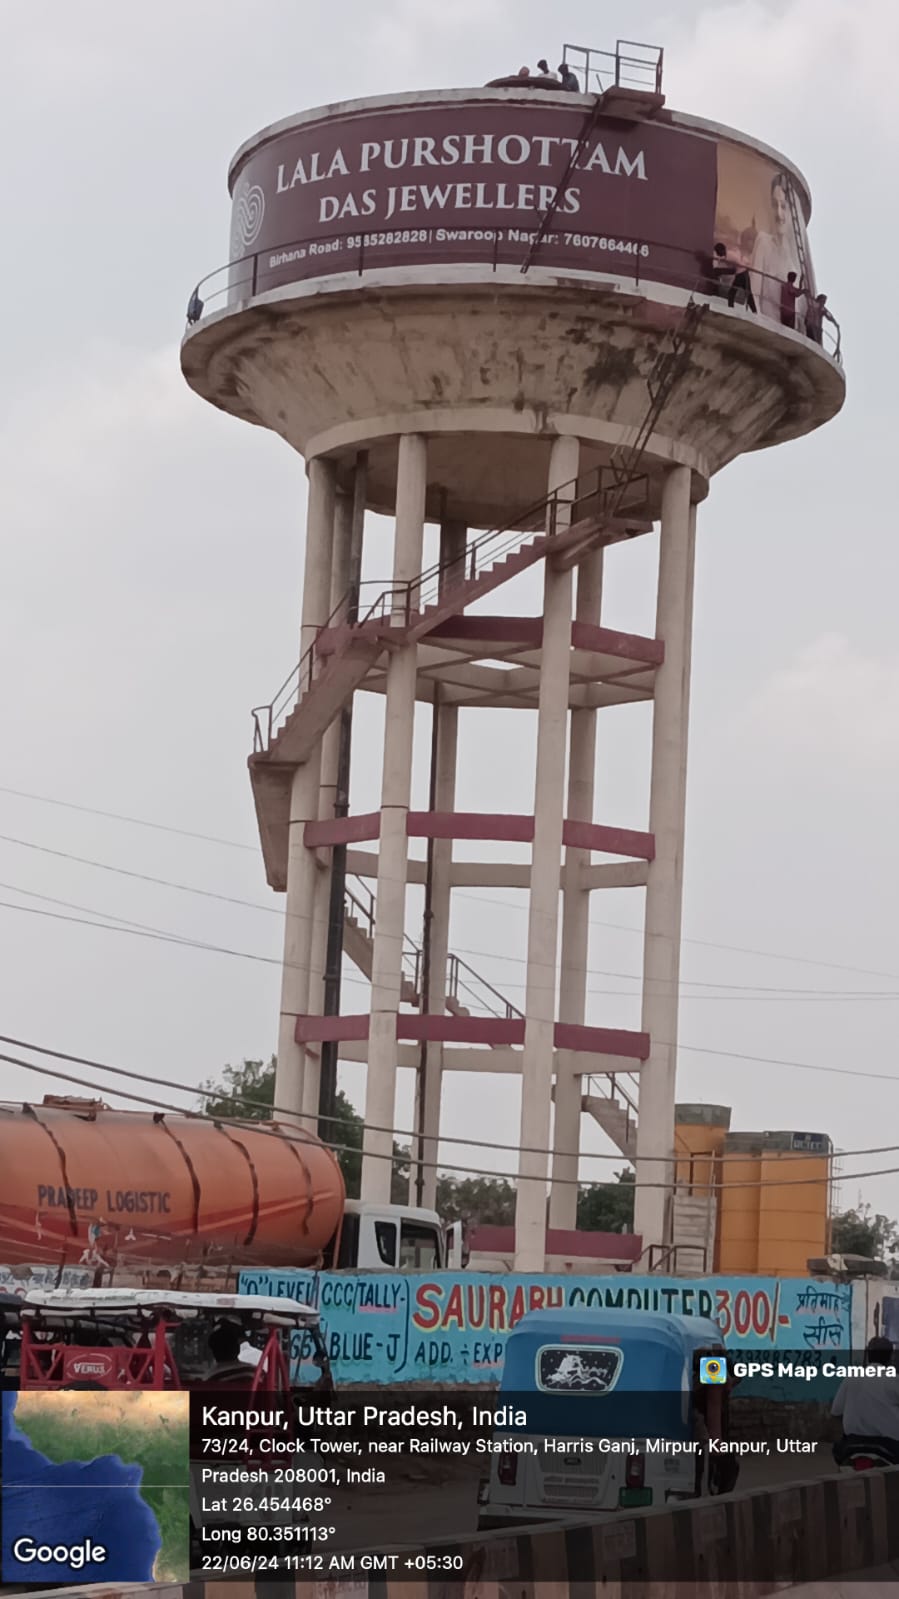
x,y
568,79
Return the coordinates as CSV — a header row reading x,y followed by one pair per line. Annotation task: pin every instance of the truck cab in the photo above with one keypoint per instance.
x,y
390,1238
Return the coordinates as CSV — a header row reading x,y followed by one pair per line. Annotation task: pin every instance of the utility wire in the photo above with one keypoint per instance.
x,y
285,1135
274,960
134,821
273,1110
752,992
141,877
116,924
280,1110
703,943
623,927
276,1110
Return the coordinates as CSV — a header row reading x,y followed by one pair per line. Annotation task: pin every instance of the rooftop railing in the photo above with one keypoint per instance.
x,y
630,65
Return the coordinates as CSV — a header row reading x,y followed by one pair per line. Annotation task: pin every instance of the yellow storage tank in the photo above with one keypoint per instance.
x,y
770,1222
738,1203
794,1203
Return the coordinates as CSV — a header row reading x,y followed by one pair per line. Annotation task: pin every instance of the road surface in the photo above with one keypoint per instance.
x,y
426,1512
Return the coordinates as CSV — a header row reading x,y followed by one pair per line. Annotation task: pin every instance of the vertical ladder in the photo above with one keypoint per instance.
x,y
805,281
667,369
580,146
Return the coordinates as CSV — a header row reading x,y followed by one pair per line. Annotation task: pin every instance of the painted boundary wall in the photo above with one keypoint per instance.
x,y
801,1533
397,1328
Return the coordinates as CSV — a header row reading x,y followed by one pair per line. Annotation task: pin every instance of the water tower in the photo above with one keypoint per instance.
x,y
501,311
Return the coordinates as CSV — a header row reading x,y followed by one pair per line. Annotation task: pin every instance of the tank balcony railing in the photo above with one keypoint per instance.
x,y
626,261
629,66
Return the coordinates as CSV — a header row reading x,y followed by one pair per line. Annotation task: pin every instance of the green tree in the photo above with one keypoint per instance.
x,y
247,1093
860,1232
481,1201
607,1207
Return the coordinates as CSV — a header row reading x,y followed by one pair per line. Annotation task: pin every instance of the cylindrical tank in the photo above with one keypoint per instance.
x,y
82,1184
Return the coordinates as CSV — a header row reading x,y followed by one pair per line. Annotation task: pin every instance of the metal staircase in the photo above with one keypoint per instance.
x,y
612,1100
607,509
358,942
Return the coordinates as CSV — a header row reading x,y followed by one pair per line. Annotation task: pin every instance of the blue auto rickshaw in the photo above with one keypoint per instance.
x,y
600,1410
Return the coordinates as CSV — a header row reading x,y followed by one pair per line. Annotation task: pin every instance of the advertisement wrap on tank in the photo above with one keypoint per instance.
x,y
470,182
452,1327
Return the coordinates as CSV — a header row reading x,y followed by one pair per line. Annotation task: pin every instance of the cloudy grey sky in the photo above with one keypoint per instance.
x,y
152,553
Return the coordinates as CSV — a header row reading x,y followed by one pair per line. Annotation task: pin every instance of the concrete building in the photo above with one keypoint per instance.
x,y
498,310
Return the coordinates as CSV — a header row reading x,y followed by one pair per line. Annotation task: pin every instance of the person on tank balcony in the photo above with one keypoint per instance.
x,y
568,79
790,294
731,278
543,69
776,253
816,314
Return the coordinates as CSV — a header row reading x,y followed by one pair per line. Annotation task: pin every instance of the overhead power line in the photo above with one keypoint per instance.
x,y
704,943
623,927
274,960
730,991
273,1110
285,1134
134,821
141,877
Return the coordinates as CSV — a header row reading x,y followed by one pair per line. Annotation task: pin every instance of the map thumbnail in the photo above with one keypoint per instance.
x,y
95,1487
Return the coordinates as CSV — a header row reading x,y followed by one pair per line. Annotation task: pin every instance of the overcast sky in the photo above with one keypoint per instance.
x,y
152,553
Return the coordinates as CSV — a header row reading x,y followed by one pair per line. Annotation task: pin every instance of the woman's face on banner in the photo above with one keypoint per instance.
x,y
779,211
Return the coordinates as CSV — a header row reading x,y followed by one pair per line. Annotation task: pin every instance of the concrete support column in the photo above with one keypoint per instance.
x,y
301,867
453,537
543,913
575,922
396,787
667,808
330,759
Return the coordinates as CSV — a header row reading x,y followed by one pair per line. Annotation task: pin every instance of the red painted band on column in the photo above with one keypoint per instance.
x,y
470,824
481,825
491,1030
343,830
609,840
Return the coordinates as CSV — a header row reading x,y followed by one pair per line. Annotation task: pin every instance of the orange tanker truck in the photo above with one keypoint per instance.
x,y
83,1185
